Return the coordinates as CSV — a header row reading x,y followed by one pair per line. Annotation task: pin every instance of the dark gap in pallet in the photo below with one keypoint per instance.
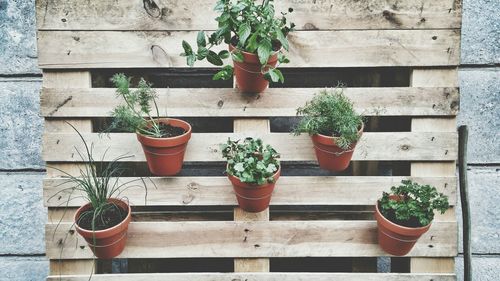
x,y
289,168
294,77
284,213
400,264
198,124
348,77
327,264
163,77
180,265
384,124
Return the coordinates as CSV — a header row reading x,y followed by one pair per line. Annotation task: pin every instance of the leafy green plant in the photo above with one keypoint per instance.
x,y
330,113
249,26
413,205
251,161
98,181
135,114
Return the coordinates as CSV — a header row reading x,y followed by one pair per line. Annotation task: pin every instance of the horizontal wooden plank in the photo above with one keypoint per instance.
x,y
275,276
274,102
217,191
199,14
431,146
251,240
363,48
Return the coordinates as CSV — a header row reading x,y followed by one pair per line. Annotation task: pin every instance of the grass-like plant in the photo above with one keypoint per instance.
x,y
250,161
330,113
97,182
414,204
250,26
135,114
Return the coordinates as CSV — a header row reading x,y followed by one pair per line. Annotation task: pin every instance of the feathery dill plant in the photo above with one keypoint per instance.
x,y
330,113
135,114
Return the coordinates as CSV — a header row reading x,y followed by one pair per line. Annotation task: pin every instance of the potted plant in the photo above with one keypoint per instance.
x,y
256,40
334,127
104,220
253,169
164,140
406,214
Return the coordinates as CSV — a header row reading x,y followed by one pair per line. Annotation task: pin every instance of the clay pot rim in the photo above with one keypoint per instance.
x,y
120,225
255,186
360,131
406,228
188,131
273,53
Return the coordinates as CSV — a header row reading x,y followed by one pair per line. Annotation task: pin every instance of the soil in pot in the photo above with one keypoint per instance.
x,y
110,217
254,198
165,155
108,242
330,156
397,239
249,74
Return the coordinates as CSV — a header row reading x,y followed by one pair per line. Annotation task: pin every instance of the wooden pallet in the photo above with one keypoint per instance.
x,y
319,227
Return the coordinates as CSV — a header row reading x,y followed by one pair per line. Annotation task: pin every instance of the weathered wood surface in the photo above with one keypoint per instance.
x,y
426,146
217,191
199,14
274,102
364,48
275,276
252,240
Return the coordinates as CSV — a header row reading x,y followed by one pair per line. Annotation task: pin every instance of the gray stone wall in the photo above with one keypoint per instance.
x,y
22,215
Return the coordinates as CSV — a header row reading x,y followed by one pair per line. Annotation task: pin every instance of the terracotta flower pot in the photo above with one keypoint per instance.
x,y
106,243
166,155
253,198
330,156
249,77
396,239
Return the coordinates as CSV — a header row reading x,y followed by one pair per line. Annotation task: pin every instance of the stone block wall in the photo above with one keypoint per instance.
x,y
22,215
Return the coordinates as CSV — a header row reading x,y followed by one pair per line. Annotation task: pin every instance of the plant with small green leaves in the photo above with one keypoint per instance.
x,y
330,113
250,161
135,115
249,26
412,204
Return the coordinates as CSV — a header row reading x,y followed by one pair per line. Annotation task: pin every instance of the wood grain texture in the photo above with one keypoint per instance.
x,y
275,276
427,146
274,102
199,14
217,191
363,48
254,239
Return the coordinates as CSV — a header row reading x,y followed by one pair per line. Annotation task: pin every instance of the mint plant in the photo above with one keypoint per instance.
x,y
251,161
414,204
330,113
249,26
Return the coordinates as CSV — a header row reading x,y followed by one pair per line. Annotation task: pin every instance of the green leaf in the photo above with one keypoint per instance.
x,y
202,53
252,42
224,74
214,59
238,167
280,75
201,39
282,58
272,75
243,33
191,59
224,54
237,56
282,39
187,48
264,51
239,7
219,7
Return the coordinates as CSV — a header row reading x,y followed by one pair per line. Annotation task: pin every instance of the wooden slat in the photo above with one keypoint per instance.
x,y
431,146
366,48
275,102
275,276
429,78
199,14
263,239
217,191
